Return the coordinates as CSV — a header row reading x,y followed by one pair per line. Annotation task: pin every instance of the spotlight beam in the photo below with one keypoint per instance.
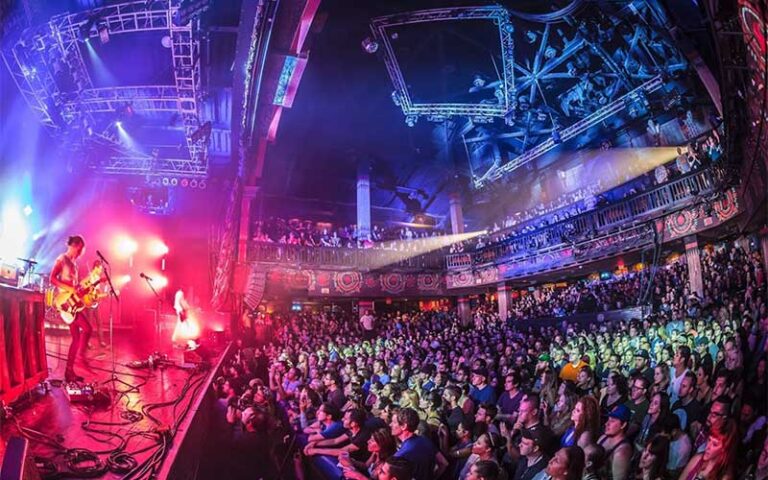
x,y
389,256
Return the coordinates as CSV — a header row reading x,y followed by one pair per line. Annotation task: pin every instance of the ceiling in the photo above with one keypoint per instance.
x,y
344,112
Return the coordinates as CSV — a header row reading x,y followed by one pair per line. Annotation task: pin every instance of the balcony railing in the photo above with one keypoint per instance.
x,y
639,208
353,258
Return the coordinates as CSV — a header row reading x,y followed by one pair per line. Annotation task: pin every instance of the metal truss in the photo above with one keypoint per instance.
x,y
185,50
572,131
41,50
152,98
126,161
501,19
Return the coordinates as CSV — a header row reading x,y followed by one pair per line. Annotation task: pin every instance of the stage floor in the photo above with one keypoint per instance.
x,y
65,423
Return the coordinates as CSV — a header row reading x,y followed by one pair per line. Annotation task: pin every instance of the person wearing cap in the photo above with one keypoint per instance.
x,y
643,365
618,448
480,392
532,457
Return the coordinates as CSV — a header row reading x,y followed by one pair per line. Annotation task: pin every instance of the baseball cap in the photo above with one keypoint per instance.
x,y
621,412
643,353
544,357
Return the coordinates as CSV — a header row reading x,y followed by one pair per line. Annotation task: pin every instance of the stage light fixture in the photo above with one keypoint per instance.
x,y
166,181
103,29
119,124
184,182
193,183
174,182
370,46
202,185
158,248
126,246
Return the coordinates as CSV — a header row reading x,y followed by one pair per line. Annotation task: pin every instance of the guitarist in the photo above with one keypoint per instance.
x,y
64,276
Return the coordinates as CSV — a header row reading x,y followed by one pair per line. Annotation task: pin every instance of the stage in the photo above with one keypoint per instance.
x,y
148,423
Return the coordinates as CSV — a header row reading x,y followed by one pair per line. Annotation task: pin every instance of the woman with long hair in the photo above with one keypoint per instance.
x,y
559,421
717,460
409,399
586,424
653,459
566,464
382,445
703,386
653,423
549,387
660,378
615,394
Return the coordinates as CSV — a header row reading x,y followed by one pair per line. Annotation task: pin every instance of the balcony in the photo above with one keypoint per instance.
x,y
627,213
336,258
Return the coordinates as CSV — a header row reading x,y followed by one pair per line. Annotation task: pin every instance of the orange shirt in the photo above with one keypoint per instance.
x,y
569,371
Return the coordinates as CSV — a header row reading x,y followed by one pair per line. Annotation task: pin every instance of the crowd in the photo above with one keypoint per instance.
x,y
311,234
423,395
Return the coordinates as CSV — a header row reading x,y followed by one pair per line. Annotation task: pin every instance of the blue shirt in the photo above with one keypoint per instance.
x,y
421,453
484,395
333,430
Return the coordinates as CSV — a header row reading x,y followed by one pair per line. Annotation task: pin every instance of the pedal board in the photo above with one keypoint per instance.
x,y
87,393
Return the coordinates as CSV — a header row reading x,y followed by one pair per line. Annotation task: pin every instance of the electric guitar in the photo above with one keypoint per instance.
x,y
69,304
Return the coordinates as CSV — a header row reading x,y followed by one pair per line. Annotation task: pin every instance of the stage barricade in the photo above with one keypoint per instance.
x,y
23,360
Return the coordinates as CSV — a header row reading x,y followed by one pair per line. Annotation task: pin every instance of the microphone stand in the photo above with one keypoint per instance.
x,y
113,378
159,308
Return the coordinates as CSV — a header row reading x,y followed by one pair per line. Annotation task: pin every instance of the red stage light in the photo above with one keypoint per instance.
x,y
158,248
126,246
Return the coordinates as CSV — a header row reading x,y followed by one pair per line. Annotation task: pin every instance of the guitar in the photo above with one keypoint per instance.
x,y
69,304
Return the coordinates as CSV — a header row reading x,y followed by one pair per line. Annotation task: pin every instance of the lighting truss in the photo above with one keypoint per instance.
x,y
126,161
152,98
498,15
30,61
570,132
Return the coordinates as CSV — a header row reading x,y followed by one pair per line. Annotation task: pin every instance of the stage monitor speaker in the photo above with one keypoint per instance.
x,y
18,463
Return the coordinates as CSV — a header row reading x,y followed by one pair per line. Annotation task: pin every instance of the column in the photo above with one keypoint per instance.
x,y
465,312
693,257
457,213
363,199
764,248
504,294
249,193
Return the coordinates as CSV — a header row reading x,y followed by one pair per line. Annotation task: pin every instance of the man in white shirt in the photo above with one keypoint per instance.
x,y
367,322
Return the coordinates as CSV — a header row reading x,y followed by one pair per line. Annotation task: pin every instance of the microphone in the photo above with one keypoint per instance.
x,y
98,253
145,277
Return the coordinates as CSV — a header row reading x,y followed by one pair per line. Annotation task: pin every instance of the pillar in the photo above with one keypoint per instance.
x,y
363,199
764,248
504,294
457,213
693,257
465,312
249,193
